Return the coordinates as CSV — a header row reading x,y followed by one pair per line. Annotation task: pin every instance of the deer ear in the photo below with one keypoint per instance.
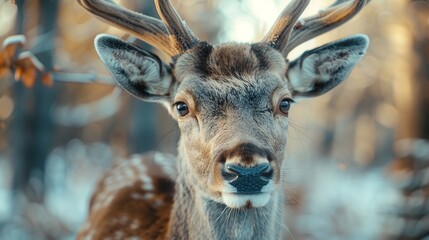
x,y
319,70
139,72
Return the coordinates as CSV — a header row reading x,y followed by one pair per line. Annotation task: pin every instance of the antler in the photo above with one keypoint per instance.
x,y
149,29
182,37
173,36
288,32
278,35
335,15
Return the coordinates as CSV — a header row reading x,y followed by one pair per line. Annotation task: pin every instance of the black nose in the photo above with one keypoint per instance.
x,y
248,180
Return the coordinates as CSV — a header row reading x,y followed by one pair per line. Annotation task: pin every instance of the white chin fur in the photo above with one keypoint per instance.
x,y
241,200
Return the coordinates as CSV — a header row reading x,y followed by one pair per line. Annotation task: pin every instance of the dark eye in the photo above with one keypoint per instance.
x,y
285,105
182,109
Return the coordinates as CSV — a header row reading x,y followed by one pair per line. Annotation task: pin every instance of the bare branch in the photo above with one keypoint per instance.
x,y
82,78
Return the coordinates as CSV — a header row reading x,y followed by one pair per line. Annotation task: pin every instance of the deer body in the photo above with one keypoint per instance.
x,y
141,184
231,102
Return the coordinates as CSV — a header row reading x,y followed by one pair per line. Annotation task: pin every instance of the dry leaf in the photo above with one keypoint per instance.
x,y
47,79
4,71
29,77
30,66
18,73
27,67
11,45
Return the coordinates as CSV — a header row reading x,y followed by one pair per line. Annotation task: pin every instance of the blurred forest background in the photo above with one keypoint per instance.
x,y
62,122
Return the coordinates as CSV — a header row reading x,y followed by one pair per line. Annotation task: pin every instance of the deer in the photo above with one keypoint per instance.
x,y
231,102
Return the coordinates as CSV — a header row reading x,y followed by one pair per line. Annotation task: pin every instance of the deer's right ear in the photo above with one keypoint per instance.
x,y
139,72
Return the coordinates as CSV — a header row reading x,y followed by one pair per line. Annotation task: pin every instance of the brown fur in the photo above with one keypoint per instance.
x,y
132,211
229,60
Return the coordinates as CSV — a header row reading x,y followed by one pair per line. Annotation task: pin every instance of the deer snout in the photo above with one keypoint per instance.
x,y
246,168
248,180
248,174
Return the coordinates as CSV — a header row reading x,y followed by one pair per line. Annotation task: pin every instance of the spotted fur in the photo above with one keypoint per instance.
x,y
133,200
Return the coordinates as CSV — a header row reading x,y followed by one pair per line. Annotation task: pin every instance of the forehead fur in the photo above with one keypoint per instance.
x,y
237,60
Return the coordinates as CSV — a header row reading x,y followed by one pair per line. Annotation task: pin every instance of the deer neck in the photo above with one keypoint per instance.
x,y
196,217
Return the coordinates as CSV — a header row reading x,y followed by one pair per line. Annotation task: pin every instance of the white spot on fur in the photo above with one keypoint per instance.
x,y
119,235
90,235
136,160
123,220
165,162
137,196
133,238
148,196
157,203
122,176
135,225
86,226
145,179
147,183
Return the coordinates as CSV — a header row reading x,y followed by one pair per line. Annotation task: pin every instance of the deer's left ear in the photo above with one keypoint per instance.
x,y
319,70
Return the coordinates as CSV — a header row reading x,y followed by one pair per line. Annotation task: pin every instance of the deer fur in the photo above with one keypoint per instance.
x,y
232,93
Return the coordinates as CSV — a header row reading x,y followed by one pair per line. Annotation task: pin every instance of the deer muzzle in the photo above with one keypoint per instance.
x,y
247,172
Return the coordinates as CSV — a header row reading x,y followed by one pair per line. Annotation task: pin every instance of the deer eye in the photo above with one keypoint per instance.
x,y
285,105
182,109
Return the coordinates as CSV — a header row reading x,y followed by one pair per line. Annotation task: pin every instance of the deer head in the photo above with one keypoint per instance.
x,y
231,100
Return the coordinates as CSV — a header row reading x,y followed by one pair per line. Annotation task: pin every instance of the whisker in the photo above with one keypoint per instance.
x,y
220,215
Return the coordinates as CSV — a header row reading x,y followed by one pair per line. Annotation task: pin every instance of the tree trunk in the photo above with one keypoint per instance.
x,y
31,129
420,13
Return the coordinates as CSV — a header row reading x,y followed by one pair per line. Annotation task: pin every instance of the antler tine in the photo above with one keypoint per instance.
x,y
335,15
149,29
278,35
181,36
